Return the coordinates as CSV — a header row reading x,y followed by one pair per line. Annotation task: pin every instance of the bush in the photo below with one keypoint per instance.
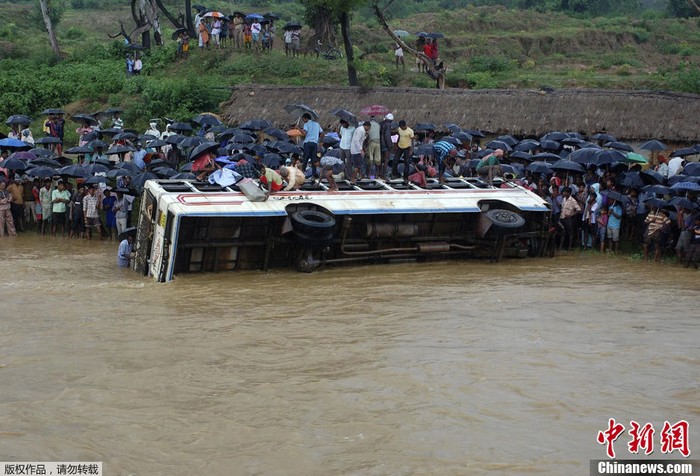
x,y
74,33
491,64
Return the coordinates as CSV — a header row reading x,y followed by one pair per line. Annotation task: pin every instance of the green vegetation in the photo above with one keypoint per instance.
x,y
485,47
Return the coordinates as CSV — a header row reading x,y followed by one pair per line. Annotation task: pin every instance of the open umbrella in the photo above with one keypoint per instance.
x,y
653,145
19,119
475,133
684,152
97,143
636,158
527,145
41,152
95,179
80,118
692,168
292,26
435,35
96,169
546,157
214,15
203,147
508,139
278,134
631,180
424,149
583,156
180,127
254,16
549,145
9,143
345,115
608,156
375,110
256,125
164,172
75,171
555,136
521,155
499,144
193,141
619,146
271,16
42,172
184,176
120,173
657,189
650,177
47,162
425,126
401,33
12,163
23,155
681,202
206,119
298,110
131,231
119,149
140,180
175,139
48,140
539,168
177,33
567,166
465,137
616,196
453,128
53,111
602,136
656,203
157,143
81,150
685,186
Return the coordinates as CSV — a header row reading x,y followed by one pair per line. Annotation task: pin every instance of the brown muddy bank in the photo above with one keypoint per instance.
x,y
631,115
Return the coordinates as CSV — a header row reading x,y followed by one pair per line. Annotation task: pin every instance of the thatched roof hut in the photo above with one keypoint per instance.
x,y
628,114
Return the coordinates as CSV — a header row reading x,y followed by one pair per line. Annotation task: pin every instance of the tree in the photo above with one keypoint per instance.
x,y
683,8
435,71
146,18
51,13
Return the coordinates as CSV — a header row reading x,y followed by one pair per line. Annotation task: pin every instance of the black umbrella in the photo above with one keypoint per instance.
x,y
278,134
298,110
539,168
74,171
619,146
41,152
465,137
203,147
684,152
146,137
272,160
345,115
48,140
111,131
158,163
186,167
20,119
243,138
650,177
499,144
164,172
12,163
681,202
521,155
546,157
23,155
508,139
206,119
175,139
97,143
157,143
601,136
612,195
292,26
42,172
256,125
583,156
692,168
567,166
631,180
527,145
193,141
80,118
131,231
475,133
453,128
608,156
119,149
484,152
452,140
95,179
656,202
330,141
140,180
555,136
83,149
549,145
177,32
435,35
132,167
96,169
653,145
657,190
425,126
45,161
685,186
424,149
53,111
120,173
287,148
124,136
180,127
271,16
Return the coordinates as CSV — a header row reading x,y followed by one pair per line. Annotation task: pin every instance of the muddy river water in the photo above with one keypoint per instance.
x,y
441,368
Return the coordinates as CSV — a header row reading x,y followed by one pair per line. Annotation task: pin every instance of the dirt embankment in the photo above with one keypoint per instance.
x,y
631,115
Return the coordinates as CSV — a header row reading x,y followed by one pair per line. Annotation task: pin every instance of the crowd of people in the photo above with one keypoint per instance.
x,y
595,204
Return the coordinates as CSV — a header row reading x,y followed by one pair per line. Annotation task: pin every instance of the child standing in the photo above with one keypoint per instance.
x,y
602,222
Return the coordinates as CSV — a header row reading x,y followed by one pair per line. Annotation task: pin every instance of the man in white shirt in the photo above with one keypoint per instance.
x,y
675,165
357,151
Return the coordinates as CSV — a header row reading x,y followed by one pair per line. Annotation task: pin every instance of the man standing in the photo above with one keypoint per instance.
x,y
357,151
614,224
404,149
59,199
91,206
125,252
139,155
374,149
569,209
312,134
17,206
120,209
385,143
29,202
346,131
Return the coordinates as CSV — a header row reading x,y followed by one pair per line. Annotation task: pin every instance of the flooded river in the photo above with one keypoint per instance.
x,y
441,368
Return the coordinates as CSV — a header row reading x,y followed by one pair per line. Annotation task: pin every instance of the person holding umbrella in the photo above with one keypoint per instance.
x,y
657,223
312,134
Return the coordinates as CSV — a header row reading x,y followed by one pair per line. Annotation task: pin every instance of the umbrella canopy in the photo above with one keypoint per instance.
x,y
128,166
272,160
53,111
653,145
608,156
549,145
12,163
97,143
42,172
191,142
214,15
424,149
203,147
41,152
685,186
475,133
96,169
177,33
435,35
80,118
256,125
619,146
684,152
131,231
83,149
119,149
657,190
206,119
681,202
46,161
20,119
254,16
184,176
74,171
140,180
567,166
546,157
692,168
345,115
125,135
164,172
330,141
23,155
636,158
527,145
8,143
95,179
120,173
522,155
425,126
602,136
110,132
539,167
292,26
499,144
508,139
555,136
631,180
453,128
157,143
175,139
583,156
48,140
278,134
465,137
401,33
650,177
298,110
656,203
180,127
616,196
375,110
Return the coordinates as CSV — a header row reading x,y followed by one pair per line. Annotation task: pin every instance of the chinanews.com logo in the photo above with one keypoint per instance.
x,y
672,440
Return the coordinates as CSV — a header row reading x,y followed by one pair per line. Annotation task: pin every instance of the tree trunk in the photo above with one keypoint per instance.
x,y
49,28
349,53
694,4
